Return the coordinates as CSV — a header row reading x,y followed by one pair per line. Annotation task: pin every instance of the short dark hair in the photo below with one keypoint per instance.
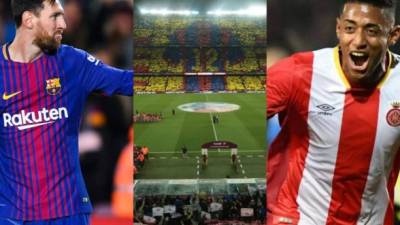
x,y
18,7
389,5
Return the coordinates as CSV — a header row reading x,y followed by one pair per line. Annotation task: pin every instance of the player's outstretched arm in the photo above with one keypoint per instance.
x,y
94,75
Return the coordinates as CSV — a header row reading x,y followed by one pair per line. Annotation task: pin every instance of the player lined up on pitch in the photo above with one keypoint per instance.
x,y
204,157
336,158
140,155
44,86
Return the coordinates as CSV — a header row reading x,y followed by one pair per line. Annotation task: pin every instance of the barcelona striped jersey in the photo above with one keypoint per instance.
x,y
41,106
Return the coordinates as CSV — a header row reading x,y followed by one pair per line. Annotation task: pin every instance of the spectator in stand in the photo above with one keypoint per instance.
x,y
204,36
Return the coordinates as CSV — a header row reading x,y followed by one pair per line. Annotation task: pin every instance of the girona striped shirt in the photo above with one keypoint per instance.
x,y
41,107
336,158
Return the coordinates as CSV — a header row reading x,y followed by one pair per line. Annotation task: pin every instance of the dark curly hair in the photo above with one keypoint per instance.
x,y
388,5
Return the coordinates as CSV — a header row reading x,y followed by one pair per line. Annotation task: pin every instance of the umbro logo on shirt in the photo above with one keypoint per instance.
x,y
326,109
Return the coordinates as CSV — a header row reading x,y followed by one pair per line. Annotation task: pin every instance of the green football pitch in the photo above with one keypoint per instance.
x,y
244,127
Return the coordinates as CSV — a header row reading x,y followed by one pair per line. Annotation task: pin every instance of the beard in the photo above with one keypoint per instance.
x,y
47,43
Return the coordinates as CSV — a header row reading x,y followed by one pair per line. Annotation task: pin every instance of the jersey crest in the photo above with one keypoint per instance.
x,y
393,116
53,86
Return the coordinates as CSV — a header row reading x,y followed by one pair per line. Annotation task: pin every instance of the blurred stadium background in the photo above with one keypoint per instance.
x,y
103,28
316,29
199,51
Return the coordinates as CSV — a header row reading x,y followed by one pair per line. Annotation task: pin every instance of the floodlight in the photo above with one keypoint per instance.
x,y
254,10
165,12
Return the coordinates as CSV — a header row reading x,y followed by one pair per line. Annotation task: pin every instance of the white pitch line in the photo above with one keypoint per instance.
x,y
213,126
212,123
241,166
198,167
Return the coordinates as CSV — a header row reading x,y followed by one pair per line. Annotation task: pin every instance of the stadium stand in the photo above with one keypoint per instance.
x,y
234,83
252,83
205,83
194,202
192,84
174,46
222,31
173,60
156,84
198,54
218,83
174,84
199,44
214,83
141,83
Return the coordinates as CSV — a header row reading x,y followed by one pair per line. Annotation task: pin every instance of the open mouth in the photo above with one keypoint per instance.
x,y
360,60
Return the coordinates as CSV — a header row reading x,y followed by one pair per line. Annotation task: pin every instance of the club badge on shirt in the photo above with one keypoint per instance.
x,y
393,115
53,86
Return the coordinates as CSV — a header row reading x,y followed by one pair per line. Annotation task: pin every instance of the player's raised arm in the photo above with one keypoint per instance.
x,y
94,75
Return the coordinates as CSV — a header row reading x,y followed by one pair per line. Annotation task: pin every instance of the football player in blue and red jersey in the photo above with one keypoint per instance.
x,y
44,86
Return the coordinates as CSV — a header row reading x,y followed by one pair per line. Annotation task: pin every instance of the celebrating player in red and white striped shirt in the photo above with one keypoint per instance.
x,y
336,158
